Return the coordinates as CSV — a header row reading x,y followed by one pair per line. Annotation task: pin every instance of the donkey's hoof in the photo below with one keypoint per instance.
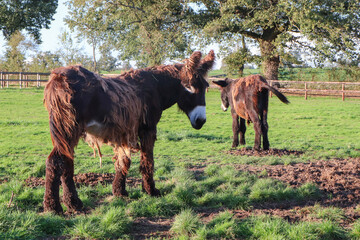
x,y
57,209
121,193
155,193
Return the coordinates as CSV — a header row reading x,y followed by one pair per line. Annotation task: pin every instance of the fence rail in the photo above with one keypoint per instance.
x,y
22,79
307,88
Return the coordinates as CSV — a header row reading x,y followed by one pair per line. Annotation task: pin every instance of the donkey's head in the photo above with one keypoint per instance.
x,y
192,75
225,92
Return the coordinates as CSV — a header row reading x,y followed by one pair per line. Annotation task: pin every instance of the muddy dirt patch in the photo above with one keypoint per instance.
x,y
270,152
339,179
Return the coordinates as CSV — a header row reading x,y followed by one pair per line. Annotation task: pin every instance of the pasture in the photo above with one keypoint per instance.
x,y
208,190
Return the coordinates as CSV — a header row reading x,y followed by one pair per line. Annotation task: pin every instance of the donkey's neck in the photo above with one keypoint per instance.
x,y
169,89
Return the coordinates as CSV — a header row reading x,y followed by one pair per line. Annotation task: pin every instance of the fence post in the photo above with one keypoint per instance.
x,y
305,91
270,86
20,82
343,91
37,80
7,80
2,80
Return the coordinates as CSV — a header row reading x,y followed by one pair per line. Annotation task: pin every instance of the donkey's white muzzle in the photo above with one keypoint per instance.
x,y
223,107
197,117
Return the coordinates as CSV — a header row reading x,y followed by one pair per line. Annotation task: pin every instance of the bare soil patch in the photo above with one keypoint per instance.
x,y
339,179
270,152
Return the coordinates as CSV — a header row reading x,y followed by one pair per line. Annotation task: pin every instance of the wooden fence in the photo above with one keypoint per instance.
x,y
22,79
307,88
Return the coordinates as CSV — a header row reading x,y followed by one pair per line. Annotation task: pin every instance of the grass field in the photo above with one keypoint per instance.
x,y
323,128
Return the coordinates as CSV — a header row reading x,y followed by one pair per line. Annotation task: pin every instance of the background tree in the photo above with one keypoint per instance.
x,y
31,15
71,53
44,62
86,18
148,32
107,61
328,28
15,50
236,54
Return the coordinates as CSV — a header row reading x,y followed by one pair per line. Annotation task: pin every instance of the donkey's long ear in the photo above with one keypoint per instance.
x,y
207,63
221,83
192,64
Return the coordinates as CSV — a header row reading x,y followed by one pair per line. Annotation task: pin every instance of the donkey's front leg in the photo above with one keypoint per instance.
x,y
122,165
70,197
147,140
54,169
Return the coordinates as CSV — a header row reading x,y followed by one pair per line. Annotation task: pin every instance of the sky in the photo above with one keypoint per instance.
x,y
51,37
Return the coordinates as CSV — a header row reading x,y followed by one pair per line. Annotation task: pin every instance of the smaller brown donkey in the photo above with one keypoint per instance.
x,y
248,98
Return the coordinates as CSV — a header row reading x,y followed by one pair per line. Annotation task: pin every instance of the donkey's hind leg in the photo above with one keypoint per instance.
x,y
70,197
54,169
257,127
236,129
264,129
147,140
242,131
122,165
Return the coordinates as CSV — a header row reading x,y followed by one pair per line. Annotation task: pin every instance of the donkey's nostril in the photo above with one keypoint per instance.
x,y
200,122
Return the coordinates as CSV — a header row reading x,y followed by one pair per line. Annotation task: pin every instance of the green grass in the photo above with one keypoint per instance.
x,y
324,128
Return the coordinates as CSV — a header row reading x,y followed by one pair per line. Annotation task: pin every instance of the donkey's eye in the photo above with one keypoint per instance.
x,y
190,89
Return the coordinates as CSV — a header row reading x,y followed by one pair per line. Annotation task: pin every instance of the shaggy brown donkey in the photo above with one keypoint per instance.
x,y
122,112
248,98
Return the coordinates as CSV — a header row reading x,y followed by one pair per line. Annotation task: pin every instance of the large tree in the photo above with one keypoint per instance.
x,y
328,28
148,32
31,15
86,17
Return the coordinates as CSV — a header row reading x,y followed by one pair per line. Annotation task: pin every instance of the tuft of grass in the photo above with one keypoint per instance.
x,y
108,223
355,231
222,226
186,223
332,214
15,224
151,207
267,189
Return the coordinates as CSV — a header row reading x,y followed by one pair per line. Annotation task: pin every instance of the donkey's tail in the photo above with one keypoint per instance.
x,y
277,93
62,115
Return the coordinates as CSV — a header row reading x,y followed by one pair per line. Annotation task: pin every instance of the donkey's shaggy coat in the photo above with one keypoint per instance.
x,y
122,112
248,98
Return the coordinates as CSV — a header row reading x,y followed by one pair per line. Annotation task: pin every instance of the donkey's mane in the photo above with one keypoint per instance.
x,y
168,70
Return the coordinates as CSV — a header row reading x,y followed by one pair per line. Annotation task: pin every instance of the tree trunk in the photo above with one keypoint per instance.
x,y
242,66
271,60
94,55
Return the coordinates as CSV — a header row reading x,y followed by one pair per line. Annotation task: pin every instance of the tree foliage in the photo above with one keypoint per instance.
x,y
70,53
14,59
86,18
148,32
328,28
31,15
